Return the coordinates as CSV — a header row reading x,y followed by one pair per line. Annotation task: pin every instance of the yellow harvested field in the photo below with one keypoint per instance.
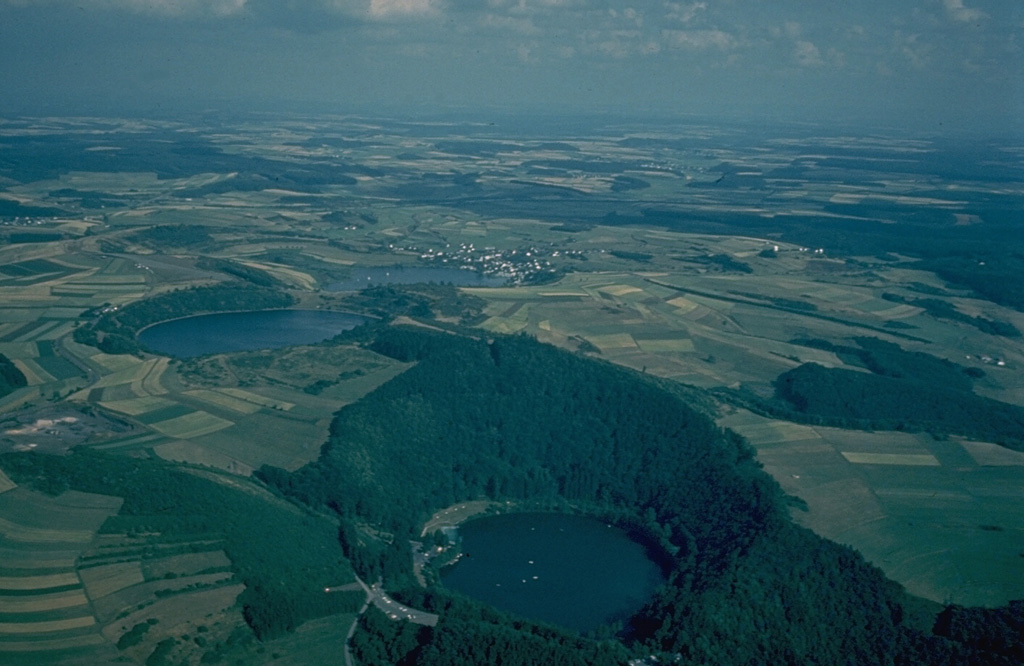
x,y
150,383
37,582
115,362
48,626
258,399
612,341
137,406
43,602
110,279
619,289
456,514
226,401
898,312
774,432
668,345
109,578
503,325
682,304
195,424
285,274
914,459
31,375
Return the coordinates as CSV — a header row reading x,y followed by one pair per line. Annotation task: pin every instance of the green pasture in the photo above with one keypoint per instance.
x,y
25,511
44,607
42,602
267,439
225,400
139,406
186,564
942,517
193,424
170,607
204,454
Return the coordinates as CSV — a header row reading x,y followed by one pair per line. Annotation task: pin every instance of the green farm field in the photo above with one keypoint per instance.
x,y
691,278
943,521
43,604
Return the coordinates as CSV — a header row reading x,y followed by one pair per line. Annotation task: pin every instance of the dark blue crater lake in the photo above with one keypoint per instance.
x,y
375,276
573,571
244,331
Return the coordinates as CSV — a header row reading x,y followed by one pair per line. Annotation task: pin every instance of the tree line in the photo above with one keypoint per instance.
x,y
511,419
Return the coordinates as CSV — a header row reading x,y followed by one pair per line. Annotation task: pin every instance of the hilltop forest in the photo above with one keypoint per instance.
x,y
511,419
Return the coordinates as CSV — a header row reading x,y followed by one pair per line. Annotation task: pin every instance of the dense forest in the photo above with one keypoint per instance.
x,y
903,391
513,419
114,329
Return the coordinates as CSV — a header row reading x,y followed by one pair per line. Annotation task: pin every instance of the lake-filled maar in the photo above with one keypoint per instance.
x,y
574,571
361,278
243,331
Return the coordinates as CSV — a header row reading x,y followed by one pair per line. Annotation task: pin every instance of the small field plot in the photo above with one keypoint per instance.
x,y
944,518
993,455
174,606
612,341
105,579
666,345
194,424
222,398
6,483
268,439
203,454
315,642
138,406
43,606
914,459
186,564
34,271
72,516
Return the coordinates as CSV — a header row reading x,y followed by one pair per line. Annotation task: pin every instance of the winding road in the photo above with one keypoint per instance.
x,y
379,598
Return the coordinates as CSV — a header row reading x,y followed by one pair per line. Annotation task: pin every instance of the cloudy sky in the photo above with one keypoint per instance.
x,y
928,64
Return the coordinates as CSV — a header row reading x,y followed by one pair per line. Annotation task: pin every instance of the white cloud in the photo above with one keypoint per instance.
x,y
161,7
383,9
955,10
684,13
807,54
914,50
525,54
698,40
521,26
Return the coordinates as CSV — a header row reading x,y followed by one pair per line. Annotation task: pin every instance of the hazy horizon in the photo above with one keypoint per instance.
x,y
931,65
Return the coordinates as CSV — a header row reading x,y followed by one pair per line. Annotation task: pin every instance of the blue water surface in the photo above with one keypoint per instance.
x,y
244,331
573,571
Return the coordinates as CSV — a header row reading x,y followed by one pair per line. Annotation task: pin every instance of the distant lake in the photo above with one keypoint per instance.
x,y
573,571
362,278
244,331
